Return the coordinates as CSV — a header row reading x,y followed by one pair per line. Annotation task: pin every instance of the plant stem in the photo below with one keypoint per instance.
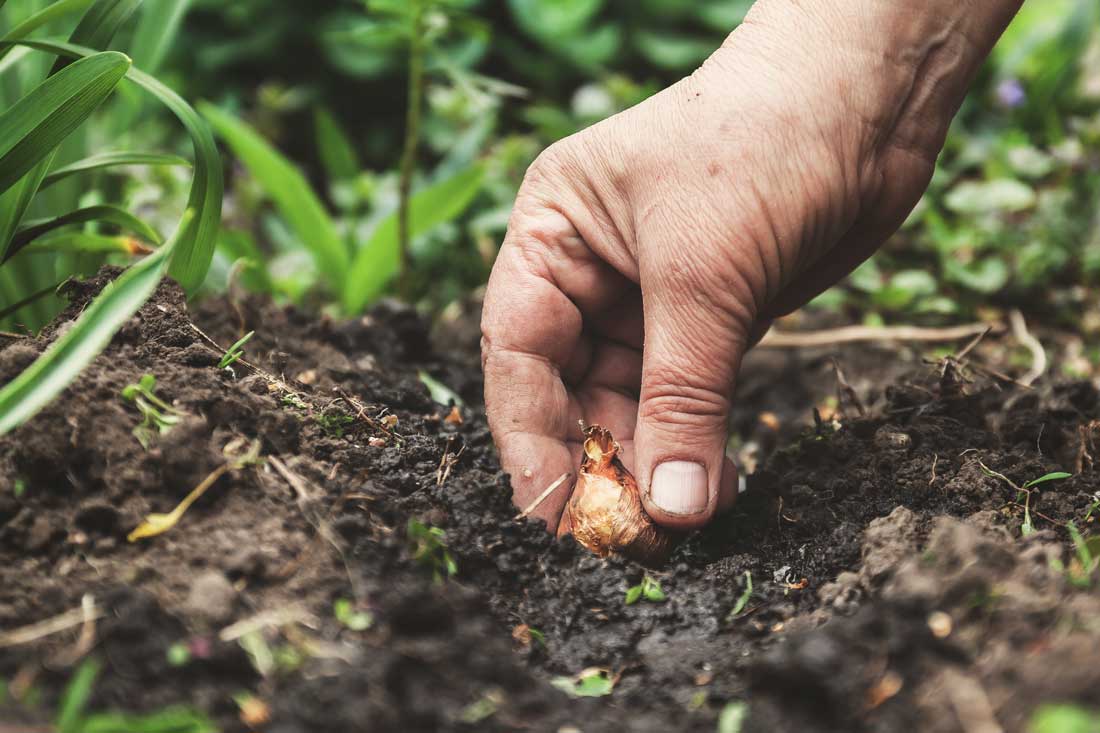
x,y
412,138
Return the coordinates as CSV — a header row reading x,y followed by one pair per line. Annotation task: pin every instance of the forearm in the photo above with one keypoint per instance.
x,y
902,67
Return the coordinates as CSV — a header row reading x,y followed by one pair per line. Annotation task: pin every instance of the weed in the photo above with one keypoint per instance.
x,y
157,416
429,550
743,600
334,423
235,352
649,589
347,614
592,682
1026,528
291,399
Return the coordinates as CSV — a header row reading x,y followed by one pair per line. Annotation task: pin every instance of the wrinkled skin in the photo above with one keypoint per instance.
x,y
646,253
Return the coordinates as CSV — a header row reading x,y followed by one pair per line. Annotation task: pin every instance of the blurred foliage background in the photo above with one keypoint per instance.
x,y
311,101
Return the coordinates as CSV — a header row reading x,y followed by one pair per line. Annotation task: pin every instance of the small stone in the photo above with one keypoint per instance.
x,y
940,624
892,440
212,598
38,535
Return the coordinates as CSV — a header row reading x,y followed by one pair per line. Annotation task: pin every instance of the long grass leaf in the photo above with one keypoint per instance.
x,y
379,260
59,365
333,145
42,17
85,243
107,213
296,201
156,29
76,696
32,127
110,160
192,257
98,26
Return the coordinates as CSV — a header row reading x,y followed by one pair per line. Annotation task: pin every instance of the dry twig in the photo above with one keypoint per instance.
x,y
852,334
542,497
50,626
1038,353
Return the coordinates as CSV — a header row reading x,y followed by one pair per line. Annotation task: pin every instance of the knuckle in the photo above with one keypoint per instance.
x,y
672,398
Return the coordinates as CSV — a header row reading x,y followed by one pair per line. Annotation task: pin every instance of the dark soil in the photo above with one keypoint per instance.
x,y
891,588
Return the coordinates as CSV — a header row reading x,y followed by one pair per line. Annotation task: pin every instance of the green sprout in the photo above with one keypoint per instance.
x,y
158,417
334,423
345,612
235,352
1088,557
743,600
19,488
1026,528
537,636
649,589
178,655
429,551
592,682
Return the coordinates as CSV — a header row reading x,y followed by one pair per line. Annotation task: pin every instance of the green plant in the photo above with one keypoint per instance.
x,y
334,423
72,715
35,129
649,589
1024,491
743,599
235,352
429,550
591,682
1063,718
732,717
346,613
1087,557
157,416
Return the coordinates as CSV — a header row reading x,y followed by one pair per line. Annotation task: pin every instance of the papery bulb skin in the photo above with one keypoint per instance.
x,y
605,512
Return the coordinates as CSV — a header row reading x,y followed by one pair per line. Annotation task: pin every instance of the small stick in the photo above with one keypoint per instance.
x,y
542,497
935,460
49,627
852,334
1038,353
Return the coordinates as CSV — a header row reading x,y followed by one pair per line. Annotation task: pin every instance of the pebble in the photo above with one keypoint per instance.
x,y
212,598
38,535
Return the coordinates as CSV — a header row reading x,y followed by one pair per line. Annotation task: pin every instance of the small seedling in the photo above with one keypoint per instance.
x,y
429,550
178,655
333,423
20,488
1026,528
235,352
743,600
291,399
592,682
649,589
345,612
158,417
1084,565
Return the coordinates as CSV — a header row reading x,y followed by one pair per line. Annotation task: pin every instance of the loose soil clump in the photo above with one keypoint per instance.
x,y
891,589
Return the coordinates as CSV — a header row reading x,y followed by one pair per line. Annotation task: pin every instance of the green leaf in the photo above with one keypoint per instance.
x,y
191,258
1053,476
171,720
633,594
652,591
1064,718
98,26
440,392
987,275
105,213
289,190
592,682
84,242
32,127
743,600
50,373
732,718
336,150
673,51
75,697
1001,195
380,258
110,160
156,29
47,15
553,19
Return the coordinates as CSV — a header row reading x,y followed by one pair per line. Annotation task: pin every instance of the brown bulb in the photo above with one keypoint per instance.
x,y
605,512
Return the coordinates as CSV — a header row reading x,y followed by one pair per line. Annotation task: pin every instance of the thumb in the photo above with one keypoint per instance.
x,y
696,331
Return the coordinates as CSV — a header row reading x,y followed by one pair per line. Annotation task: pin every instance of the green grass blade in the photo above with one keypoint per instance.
x,y
59,365
110,160
98,26
171,720
296,201
48,14
86,243
156,29
380,259
107,213
32,127
75,698
191,259
335,148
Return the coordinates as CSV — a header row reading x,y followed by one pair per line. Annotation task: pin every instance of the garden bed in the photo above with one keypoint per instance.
x,y
890,587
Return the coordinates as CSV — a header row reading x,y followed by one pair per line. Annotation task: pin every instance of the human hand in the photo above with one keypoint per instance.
x,y
645,254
